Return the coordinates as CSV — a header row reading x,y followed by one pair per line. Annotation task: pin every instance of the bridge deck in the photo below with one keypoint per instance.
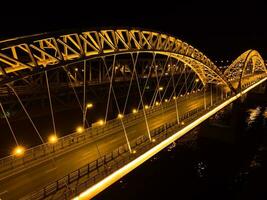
x,y
38,176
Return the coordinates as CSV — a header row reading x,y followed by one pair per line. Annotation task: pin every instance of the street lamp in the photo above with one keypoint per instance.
x,y
101,122
160,88
88,106
52,139
134,111
120,116
79,129
18,151
146,107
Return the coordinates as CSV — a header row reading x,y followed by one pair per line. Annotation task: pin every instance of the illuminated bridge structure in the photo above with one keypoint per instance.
x,y
173,86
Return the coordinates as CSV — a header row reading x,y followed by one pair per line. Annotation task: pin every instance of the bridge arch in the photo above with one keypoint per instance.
x,y
23,56
248,63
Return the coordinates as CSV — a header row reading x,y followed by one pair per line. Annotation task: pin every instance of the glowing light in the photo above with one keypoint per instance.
x,y
182,123
118,174
174,97
89,105
160,88
52,139
79,129
76,69
157,103
101,122
134,111
197,80
166,100
120,115
134,151
153,140
18,151
146,106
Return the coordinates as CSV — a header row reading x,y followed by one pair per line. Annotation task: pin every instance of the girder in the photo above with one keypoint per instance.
x,y
29,55
248,63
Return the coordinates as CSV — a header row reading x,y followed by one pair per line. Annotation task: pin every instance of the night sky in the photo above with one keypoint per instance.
x,y
220,30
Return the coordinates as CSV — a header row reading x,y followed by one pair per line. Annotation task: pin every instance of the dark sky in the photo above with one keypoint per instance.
x,y
220,30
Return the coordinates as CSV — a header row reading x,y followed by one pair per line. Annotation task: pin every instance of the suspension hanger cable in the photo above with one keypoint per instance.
x,y
128,93
176,106
186,77
9,125
143,91
75,93
50,103
158,84
141,97
177,82
84,92
26,112
117,105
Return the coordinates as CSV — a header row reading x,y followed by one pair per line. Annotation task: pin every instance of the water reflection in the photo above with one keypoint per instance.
x,y
265,113
201,169
171,146
253,114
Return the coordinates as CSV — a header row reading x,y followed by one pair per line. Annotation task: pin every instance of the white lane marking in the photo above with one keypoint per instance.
x,y
86,154
50,170
4,192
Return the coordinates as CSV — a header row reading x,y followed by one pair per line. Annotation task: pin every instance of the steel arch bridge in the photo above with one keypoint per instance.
x,y
22,56
25,57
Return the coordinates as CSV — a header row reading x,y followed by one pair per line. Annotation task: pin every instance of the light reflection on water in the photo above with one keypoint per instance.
x,y
265,113
253,114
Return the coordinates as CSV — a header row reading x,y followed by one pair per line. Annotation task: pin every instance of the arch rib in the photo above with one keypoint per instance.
x,y
48,51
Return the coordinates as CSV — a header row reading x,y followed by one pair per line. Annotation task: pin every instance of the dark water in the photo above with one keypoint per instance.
x,y
202,166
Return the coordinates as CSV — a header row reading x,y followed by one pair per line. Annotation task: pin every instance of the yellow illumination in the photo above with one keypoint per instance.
x,y
101,122
153,140
89,105
79,129
166,100
160,88
146,106
134,151
52,139
174,97
134,111
118,174
182,123
197,80
157,103
18,151
120,115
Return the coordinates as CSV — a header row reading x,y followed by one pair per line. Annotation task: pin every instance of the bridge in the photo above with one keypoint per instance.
x,y
147,89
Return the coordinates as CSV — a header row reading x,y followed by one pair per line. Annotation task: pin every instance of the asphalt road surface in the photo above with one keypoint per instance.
x,y
39,176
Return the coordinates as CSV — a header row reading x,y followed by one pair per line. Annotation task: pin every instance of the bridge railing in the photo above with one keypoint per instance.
x,y
106,164
75,140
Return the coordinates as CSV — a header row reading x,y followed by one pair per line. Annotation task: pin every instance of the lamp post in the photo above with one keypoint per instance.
x,y
88,106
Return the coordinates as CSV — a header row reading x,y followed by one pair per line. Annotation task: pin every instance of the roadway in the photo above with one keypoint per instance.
x,y
37,177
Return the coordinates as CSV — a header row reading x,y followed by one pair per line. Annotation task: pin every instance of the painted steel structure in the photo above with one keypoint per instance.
x,y
22,56
248,63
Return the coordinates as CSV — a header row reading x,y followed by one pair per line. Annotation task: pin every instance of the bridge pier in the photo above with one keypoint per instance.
x,y
225,126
